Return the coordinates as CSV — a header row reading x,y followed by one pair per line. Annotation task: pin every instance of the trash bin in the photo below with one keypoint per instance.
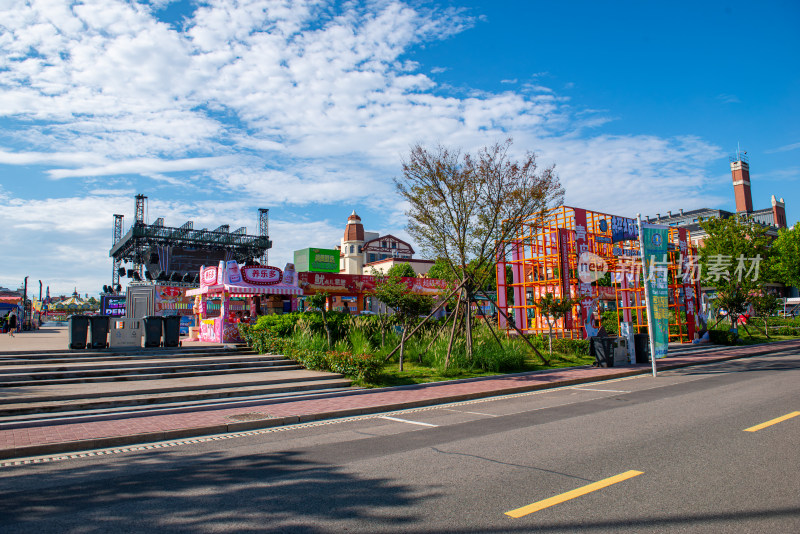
x,y
602,348
641,346
125,333
152,330
172,331
78,324
98,332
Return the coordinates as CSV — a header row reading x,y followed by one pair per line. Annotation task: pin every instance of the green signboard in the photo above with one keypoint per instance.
x,y
654,240
316,260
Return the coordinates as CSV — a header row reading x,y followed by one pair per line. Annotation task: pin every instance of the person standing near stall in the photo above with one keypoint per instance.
x,y
12,323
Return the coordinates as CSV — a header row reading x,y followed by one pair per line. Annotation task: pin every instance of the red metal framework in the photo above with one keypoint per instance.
x,y
593,258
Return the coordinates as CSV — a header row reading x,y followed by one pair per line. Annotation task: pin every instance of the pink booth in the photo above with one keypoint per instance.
x,y
228,280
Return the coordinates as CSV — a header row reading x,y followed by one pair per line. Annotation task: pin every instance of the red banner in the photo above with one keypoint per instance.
x,y
585,290
353,283
688,286
563,256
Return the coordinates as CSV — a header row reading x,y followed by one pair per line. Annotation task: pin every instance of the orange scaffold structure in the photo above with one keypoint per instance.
x,y
591,257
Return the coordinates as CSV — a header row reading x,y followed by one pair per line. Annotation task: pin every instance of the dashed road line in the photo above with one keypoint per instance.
x,y
406,421
772,422
558,499
603,390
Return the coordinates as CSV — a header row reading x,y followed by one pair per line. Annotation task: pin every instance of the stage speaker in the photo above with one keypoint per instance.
x,y
148,275
121,271
153,257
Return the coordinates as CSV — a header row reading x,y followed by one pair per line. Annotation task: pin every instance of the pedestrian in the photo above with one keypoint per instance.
x,y
12,324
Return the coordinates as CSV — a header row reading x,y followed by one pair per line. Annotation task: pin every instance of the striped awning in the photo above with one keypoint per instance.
x,y
244,290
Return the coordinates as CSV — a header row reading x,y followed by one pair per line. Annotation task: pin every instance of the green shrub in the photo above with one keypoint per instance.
x,y
609,322
723,337
309,351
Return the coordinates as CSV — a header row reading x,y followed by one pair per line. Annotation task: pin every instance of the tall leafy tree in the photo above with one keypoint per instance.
x,y
786,256
462,205
764,306
402,270
554,308
735,259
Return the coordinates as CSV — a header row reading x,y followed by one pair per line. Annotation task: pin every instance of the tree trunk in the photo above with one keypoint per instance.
x,y
491,328
550,336
452,333
468,325
403,344
766,327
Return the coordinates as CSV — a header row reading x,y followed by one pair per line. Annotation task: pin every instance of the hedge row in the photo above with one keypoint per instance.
x,y
364,367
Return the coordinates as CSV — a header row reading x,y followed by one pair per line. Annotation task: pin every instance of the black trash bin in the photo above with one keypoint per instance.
x,y
98,332
152,330
641,346
602,348
172,331
78,325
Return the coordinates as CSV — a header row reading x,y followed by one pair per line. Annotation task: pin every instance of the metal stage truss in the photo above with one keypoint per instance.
x,y
159,252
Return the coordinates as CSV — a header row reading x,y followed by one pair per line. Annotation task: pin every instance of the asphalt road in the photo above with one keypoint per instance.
x,y
679,439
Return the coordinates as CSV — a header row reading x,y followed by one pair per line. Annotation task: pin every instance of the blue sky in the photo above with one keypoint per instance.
x,y
216,109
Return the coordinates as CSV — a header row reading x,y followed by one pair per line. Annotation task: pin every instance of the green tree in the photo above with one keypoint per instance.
x,y
319,300
764,306
735,259
407,306
553,308
402,270
786,256
461,206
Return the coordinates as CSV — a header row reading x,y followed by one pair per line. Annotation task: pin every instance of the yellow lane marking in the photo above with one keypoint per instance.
x,y
772,422
558,499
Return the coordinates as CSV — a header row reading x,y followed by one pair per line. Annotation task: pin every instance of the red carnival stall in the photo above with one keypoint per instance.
x,y
228,280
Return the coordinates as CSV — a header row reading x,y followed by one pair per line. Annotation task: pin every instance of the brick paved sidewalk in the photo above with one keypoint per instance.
x,y
63,437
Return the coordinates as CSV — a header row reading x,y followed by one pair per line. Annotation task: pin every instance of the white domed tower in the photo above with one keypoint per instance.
x,y
351,255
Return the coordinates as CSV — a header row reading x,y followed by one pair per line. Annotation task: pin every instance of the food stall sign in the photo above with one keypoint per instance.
x,y
261,276
208,277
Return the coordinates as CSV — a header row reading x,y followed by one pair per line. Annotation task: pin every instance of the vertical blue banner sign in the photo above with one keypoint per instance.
x,y
654,241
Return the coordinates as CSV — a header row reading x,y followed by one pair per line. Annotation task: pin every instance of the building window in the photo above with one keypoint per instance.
x,y
394,244
383,244
359,249
352,249
372,257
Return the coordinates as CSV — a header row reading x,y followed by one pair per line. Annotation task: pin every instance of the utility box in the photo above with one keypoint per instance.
x,y
125,333
621,357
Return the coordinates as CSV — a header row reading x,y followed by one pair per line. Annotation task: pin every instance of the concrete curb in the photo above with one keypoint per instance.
x,y
239,426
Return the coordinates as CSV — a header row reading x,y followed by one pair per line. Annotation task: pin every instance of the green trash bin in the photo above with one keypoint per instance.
x,y
99,331
78,326
602,348
172,331
152,330
641,345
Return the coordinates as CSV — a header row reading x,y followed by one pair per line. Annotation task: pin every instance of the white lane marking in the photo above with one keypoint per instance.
x,y
604,390
405,421
476,413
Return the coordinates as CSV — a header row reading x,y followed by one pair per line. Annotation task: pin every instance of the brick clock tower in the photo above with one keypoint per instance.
x,y
740,169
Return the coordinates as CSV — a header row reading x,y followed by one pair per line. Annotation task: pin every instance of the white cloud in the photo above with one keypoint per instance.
x,y
784,148
284,104
145,166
